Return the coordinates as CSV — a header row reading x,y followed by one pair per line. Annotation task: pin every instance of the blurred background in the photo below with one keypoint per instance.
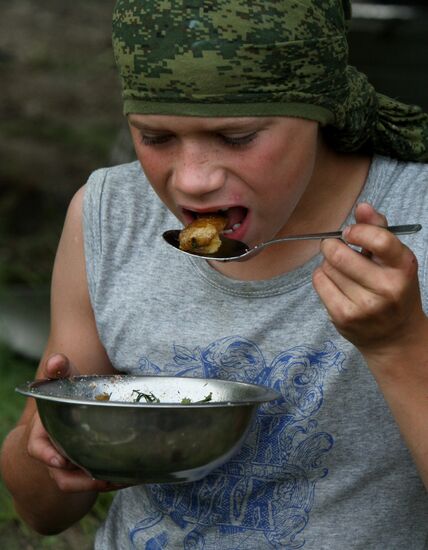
x,y
60,113
60,118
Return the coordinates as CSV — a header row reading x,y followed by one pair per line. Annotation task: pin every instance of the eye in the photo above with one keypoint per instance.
x,y
238,140
152,139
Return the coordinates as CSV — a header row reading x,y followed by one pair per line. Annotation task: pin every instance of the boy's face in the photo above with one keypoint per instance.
x,y
255,169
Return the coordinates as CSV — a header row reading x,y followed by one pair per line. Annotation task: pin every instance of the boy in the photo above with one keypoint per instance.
x,y
251,110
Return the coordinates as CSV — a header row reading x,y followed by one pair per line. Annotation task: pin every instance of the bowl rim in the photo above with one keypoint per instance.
x,y
29,389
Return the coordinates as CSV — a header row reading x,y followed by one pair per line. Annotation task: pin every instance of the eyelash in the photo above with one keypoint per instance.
x,y
239,141
154,140
228,140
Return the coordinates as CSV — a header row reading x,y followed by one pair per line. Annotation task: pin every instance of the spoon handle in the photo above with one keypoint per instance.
x,y
396,229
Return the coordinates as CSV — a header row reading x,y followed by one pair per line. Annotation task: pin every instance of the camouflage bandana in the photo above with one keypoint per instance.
x,y
260,58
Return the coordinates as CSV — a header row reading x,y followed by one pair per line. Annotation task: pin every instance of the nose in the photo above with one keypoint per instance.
x,y
197,171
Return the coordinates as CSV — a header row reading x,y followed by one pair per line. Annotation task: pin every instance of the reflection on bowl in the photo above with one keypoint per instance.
x,y
147,429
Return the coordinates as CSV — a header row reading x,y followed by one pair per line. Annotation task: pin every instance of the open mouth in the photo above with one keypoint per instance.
x,y
235,217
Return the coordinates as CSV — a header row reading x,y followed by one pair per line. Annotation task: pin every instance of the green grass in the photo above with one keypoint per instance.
x,y
15,370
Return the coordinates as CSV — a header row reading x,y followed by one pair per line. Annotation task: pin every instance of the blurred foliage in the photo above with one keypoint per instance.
x,y
30,224
60,112
60,109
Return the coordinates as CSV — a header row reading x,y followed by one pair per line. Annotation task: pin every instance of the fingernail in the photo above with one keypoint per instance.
x,y
55,462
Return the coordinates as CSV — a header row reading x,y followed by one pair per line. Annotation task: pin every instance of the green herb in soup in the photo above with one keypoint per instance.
x,y
149,397
187,400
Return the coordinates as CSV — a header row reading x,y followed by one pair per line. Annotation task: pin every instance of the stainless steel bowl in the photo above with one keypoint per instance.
x,y
147,429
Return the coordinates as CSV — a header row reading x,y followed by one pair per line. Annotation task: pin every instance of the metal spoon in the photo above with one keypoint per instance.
x,y
232,250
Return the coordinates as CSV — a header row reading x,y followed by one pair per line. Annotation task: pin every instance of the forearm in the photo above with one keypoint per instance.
x,y
37,498
402,376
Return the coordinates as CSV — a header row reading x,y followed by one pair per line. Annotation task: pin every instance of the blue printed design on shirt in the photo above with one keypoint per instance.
x,y
264,495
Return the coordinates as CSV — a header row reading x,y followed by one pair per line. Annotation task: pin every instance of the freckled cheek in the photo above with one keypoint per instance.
x,y
155,169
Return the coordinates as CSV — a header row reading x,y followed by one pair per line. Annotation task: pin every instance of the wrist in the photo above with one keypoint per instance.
x,y
401,361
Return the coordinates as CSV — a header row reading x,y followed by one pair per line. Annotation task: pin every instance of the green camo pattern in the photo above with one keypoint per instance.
x,y
258,58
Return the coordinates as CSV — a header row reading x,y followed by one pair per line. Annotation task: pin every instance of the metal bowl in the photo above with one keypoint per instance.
x,y
147,429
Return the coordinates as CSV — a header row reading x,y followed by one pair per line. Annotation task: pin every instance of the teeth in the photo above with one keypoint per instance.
x,y
234,228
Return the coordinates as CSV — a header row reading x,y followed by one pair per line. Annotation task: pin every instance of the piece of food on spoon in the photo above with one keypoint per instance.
x,y
202,235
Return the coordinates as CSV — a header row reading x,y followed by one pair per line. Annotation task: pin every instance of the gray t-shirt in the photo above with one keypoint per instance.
x,y
324,469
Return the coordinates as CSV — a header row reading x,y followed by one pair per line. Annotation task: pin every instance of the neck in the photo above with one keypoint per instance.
x,y
336,183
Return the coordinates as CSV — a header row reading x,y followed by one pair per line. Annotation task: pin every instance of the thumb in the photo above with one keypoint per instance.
x,y
365,213
59,366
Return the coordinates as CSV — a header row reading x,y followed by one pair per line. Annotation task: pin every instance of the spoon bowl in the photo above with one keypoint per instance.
x,y
233,250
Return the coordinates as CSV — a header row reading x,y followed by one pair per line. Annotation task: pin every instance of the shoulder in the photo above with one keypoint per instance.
x,y
397,172
400,187
400,191
129,171
122,177
122,186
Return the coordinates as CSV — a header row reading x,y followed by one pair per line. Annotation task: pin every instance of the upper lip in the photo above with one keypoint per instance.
x,y
189,213
209,210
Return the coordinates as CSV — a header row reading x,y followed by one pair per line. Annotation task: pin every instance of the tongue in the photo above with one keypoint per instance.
x,y
235,215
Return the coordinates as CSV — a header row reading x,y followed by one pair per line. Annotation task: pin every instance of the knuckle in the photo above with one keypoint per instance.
x,y
391,292
62,484
410,264
32,449
334,253
370,305
381,240
346,317
393,287
63,480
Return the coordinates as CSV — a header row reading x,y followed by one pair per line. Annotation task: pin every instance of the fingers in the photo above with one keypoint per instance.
x,y
338,306
78,481
369,297
348,271
383,276
68,477
365,213
41,448
385,248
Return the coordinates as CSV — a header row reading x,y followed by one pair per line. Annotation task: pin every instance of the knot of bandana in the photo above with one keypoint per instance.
x,y
261,58
371,122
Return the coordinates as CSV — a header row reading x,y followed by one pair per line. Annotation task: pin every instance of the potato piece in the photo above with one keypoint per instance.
x,y
203,235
